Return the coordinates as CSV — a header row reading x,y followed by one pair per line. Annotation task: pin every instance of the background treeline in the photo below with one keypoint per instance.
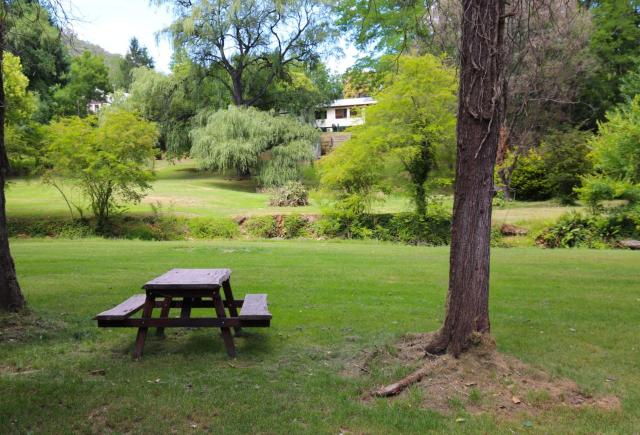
x,y
246,78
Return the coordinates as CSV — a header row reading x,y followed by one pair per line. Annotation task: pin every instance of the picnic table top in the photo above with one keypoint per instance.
x,y
189,279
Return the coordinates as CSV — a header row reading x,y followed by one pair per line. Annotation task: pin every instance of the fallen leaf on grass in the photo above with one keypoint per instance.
x,y
516,400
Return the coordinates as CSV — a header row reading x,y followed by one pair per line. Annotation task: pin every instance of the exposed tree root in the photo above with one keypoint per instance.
x,y
402,384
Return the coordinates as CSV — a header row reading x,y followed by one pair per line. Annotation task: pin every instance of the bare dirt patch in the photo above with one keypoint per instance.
x,y
24,326
481,380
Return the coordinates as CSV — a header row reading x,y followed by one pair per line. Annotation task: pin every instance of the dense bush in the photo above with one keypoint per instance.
x,y
294,225
529,180
554,169
292,194
261,226
433,228
50,228
592,231
565,155
572,230
596,189
213,228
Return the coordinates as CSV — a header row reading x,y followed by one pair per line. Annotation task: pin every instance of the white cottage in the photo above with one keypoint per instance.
x,y
343,113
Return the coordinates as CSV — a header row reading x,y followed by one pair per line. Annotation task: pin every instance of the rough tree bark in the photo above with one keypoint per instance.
x,y
480,112
10,295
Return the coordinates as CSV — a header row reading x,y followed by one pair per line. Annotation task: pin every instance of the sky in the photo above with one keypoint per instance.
x,y
111,24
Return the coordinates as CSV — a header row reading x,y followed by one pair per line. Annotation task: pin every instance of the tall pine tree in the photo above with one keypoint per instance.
x,y
137,56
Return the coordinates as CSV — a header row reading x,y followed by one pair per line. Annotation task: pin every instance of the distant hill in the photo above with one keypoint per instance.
x,y
77,46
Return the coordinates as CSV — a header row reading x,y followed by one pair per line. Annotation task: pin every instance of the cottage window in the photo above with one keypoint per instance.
x,y
354,112
341,113
321,114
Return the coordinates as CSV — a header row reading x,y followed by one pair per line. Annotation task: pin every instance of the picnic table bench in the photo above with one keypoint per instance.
x,y
187,289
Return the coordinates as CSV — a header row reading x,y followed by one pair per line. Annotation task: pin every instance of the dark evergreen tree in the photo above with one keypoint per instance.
x,y
137,56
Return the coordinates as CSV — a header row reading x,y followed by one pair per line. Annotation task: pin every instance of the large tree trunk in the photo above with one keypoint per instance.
x,y
10,296
479,120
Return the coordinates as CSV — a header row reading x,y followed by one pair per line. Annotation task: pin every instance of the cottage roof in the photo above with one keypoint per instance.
x,y
345,102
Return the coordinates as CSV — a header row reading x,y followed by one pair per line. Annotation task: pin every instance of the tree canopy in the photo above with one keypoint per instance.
x,y
413,122
249,44
250,141
137,56
614,42
87,80
109,158
37,42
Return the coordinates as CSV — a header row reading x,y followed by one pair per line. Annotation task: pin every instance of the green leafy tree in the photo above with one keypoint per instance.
x,y
33,37
390,26
554,168
302,89
248,44
108,158
630,84
614,42
616,147
250,141
22,133
173,100
88,80
21,103
413,122
137,56
566,162
616,157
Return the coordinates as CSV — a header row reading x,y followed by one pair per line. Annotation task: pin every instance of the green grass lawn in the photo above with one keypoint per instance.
x,y
574,313
182,189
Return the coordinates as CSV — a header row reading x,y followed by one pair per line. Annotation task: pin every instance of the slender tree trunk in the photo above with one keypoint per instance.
x,y
10,296
236,83
421,199
479,120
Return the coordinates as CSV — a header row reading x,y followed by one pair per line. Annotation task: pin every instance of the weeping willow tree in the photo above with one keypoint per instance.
x,y
252,142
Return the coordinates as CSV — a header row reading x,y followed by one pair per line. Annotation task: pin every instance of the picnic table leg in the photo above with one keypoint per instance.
x,y
164,313
185,311
147,310
228,296
226,331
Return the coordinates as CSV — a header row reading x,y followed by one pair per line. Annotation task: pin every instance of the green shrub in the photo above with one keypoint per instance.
x,y
624,222
529,179
596,189
141,231
574,230
76,230
50,228
213,228
294,226
565,155
292,194
434,228
262,227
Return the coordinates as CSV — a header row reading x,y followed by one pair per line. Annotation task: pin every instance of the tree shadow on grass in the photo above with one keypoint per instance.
x,y
184,174
206,341
245,186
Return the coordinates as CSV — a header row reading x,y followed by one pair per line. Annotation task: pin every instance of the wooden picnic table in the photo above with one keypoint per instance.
x,y
187,289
